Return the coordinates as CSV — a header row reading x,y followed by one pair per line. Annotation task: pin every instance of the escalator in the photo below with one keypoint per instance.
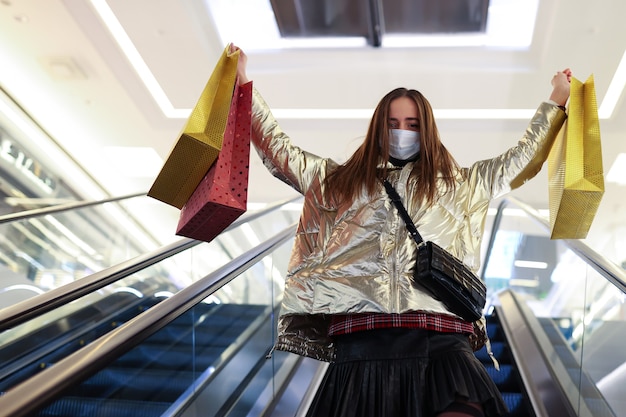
x,y
151,377
191,349
143,352
551,373
553,322
198,349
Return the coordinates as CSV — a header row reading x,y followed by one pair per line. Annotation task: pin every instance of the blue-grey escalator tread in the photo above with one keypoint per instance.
x,y
499,351
131,384
91,407
221,323
83,330
507,379
515,402
169,357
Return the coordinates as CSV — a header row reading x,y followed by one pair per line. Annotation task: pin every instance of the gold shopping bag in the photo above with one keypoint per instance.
x,y
199,143
575,174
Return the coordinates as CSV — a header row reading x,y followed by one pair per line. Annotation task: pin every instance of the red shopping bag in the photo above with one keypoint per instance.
x,y
221,196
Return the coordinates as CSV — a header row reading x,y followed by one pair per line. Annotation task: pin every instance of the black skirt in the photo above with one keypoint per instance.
x,y
403,372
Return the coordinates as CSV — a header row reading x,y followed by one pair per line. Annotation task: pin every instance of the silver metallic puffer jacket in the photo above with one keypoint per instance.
x,y
358,257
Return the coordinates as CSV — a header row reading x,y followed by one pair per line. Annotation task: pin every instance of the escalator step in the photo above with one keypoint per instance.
x,y
494,332
139,385
217,334
168,357
242,310
499,352
35,352
221,331
505,379
90,407
515,402
172,334
151,371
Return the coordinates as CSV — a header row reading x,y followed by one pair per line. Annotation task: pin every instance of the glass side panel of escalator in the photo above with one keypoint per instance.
x,y
209,361
581,313
35,345
46,252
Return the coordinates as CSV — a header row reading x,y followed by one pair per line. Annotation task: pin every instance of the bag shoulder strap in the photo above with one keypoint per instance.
x,y
397,201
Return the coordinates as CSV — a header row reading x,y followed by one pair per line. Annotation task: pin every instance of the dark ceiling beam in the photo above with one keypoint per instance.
x,y
376,22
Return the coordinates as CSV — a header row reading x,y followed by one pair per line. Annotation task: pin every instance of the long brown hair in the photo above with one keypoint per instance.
x,y
367,166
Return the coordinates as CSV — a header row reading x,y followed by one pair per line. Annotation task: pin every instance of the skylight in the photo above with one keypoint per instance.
x,y
509,24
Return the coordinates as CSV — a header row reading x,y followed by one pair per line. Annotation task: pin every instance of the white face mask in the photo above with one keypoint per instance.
x,y
403,144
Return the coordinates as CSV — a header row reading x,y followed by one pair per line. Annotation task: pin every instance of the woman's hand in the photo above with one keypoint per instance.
x,y
241,64
560,86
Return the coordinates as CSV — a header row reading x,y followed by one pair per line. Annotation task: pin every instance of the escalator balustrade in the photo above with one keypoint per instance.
x,y
153,375
35,351
150,377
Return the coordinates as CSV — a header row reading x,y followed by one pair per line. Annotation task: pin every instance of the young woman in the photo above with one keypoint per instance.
x,y
393,349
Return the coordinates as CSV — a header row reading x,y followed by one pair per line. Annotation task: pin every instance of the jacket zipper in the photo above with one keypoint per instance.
x,y
393,285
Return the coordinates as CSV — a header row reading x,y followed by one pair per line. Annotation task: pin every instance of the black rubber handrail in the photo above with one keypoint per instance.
x,y
492,236
36,392
75,205
59,208
35,306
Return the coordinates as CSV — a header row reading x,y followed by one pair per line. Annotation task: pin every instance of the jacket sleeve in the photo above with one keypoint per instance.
x,y
287,162
522,162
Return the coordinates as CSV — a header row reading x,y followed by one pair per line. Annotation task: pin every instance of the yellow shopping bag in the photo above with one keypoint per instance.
x,y
575,173
199,143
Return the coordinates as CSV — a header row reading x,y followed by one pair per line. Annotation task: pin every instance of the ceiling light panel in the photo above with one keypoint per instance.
x,y
617,172
403,23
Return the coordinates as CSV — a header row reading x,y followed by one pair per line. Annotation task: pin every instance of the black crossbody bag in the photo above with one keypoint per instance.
x,y
442,274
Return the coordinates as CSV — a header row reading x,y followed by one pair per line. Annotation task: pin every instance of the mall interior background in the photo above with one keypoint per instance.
x,y
94,93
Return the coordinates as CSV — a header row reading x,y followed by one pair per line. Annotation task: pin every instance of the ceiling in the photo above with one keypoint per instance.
x,y
62,65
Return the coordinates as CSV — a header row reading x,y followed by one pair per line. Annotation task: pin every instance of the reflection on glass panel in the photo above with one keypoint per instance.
x,y
599,337
522,262
220,343
241,375
46,252
214,354
580,311
191,265
49,251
